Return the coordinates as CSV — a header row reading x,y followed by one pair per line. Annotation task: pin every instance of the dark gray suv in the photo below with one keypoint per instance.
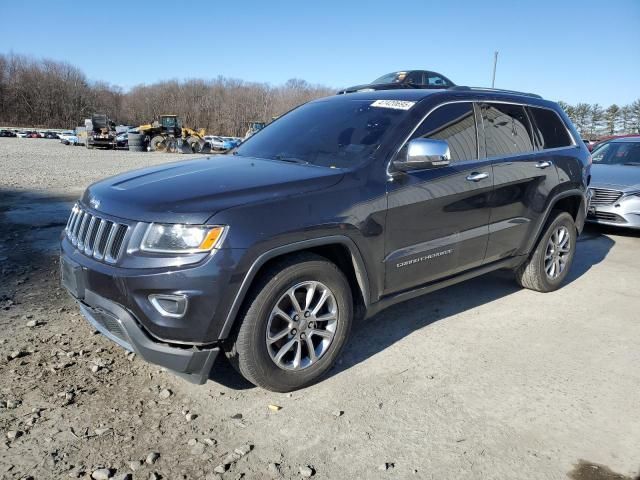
x,y
338,209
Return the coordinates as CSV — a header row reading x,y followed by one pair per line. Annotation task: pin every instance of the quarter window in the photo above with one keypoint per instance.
x,y
454,123
507,130
549,128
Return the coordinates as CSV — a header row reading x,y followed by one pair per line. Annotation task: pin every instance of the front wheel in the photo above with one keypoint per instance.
x,y
549,265
294,325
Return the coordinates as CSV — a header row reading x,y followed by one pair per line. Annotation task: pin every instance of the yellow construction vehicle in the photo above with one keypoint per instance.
x,y
168,135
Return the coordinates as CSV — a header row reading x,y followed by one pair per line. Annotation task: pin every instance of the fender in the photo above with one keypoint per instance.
x,y
579,217
356,259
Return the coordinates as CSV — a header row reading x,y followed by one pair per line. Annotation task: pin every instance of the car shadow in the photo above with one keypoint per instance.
x,y
396,322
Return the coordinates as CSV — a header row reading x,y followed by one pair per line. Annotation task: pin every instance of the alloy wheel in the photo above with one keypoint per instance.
x,y
557,252
302,325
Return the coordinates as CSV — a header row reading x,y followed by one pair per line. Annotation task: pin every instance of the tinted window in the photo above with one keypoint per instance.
x,y
507,130
549,128
415,78
333,133
454,123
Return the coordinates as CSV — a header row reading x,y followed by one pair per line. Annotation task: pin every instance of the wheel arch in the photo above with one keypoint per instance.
x,y
339,249
570,201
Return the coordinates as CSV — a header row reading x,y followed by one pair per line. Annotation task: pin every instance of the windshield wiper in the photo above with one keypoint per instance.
x,y
635,164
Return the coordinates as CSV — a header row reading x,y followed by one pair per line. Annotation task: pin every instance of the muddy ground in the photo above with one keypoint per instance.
x,y
481,380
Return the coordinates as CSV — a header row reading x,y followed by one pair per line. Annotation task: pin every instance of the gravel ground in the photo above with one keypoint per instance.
x,y
481,380
66,170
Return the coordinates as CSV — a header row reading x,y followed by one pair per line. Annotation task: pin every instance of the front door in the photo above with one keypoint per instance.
x,y
437,219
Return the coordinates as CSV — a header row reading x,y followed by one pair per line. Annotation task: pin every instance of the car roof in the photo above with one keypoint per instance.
x,y
418,94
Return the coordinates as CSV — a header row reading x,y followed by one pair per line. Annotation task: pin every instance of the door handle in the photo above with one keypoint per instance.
x,y
476,177
544,164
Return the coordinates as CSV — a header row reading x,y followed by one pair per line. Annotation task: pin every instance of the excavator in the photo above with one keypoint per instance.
x,y
168,135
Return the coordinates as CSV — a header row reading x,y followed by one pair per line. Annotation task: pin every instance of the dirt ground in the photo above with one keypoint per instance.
x,y
481,380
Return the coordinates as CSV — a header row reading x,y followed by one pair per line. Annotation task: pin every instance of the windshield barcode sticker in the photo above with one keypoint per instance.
x,y
395,104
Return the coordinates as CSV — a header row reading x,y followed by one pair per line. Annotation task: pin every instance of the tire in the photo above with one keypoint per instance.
x,y
194,144
158,144
539,272
248,349
136,142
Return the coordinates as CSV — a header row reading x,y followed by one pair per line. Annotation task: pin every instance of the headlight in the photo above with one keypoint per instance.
x,y
175,238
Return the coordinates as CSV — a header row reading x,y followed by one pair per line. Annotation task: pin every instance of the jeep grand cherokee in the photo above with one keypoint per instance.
x,y
338,209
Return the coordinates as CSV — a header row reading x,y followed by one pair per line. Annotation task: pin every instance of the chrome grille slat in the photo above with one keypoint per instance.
x,y
96,242
82,230
76,227
604,196
107,248
96,236
87,243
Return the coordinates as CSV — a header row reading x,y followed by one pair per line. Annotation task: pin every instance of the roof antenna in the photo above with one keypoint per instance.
x,y
495,63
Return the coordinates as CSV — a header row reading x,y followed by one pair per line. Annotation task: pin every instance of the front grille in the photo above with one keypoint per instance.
x,y
95,236
607,217
604,196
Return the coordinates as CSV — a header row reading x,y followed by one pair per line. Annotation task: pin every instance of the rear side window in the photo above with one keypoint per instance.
x,y
507,130
455,124
549,128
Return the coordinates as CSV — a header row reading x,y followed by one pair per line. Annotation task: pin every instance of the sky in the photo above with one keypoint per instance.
x,y
576,51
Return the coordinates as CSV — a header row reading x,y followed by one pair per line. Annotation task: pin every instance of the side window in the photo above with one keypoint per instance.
x,y
434,80
454,123
549,128
507,130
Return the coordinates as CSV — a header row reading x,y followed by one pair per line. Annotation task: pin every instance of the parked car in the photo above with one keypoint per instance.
x,y
221,143
68,137
615,183
50,135
21,134
122,140
404,79
7,133
342,207
231,142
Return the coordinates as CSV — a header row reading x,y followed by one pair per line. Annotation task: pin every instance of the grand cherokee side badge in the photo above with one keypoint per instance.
x,y
423,258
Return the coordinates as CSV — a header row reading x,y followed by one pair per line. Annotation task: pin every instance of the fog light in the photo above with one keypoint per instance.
x,y
174,306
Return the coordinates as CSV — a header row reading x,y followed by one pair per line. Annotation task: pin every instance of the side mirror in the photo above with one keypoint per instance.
x,y
423,153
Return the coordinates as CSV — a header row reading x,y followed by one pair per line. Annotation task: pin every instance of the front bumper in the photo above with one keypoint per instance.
x,y
624,212
114,322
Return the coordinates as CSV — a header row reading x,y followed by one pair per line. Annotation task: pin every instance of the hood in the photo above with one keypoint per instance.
x,y
192,191
618,177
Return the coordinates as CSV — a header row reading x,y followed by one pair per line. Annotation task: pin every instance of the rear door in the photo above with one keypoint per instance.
x,y
437,219
524,176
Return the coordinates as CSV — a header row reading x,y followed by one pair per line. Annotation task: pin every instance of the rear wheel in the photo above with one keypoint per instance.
x,y
294,324
549,265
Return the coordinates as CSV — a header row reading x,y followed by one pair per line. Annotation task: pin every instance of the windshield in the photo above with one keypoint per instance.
x,y
336,134
394,77
617,153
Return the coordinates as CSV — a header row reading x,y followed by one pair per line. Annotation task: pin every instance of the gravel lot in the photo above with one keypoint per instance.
x,y
481,380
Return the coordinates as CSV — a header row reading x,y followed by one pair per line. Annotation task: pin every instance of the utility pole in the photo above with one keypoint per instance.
x,y
495,63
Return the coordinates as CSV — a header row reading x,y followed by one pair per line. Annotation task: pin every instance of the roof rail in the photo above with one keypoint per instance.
x,y
496,90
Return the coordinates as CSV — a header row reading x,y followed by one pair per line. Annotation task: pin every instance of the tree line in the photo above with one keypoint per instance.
x,y
45,93
594,121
